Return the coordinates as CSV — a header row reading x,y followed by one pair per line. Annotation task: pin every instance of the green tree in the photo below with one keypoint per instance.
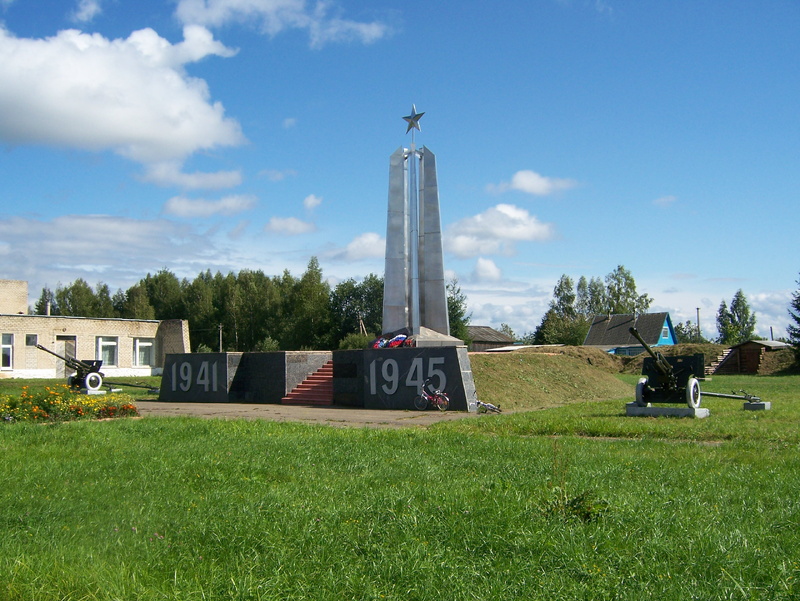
x,y
688,332
563,323
621,295
308,316
104,306
506,329
259,310
166,296
77,299
354,303
46,303
135,303
794,329
457,311
735,324
201,311
564,297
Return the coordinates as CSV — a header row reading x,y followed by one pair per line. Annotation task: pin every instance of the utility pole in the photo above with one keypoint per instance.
x,y
698,324
220,338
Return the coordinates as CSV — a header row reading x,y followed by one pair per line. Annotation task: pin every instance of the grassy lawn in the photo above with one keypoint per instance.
x,y
568,502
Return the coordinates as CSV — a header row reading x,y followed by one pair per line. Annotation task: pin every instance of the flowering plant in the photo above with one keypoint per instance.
x,y
61,403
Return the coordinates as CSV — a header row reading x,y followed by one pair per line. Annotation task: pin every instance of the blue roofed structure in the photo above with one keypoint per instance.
x,y
612,332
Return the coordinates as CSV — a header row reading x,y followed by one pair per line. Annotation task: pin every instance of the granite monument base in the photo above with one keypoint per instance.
x,y
391,378
634,410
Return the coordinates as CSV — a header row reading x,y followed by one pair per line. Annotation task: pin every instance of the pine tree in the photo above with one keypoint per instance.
x,y
794,329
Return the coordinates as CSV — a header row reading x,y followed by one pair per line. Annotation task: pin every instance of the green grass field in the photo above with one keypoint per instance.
x,y
571,501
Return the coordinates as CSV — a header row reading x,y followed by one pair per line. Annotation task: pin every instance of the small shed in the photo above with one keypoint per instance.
x,y
745,358
612,332
485,338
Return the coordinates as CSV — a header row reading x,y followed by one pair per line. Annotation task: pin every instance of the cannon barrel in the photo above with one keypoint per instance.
x,y
661,364
75,364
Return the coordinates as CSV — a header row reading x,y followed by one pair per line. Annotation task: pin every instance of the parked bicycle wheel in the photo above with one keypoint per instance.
x,y
443,402
420,402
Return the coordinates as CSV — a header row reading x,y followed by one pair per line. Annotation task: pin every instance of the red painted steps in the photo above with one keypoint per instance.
x,y
316,389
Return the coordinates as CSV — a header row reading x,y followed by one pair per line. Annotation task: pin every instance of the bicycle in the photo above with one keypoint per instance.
x,y
437,398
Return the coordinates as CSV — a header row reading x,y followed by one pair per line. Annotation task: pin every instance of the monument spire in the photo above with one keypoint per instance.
x,y
414,289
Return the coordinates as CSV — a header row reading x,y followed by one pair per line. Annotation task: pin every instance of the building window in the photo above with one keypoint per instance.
x,y
31,339
665,332
107,350
7,351
144,352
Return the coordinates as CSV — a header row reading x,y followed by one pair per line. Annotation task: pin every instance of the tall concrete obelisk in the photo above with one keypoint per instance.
x,y
414,294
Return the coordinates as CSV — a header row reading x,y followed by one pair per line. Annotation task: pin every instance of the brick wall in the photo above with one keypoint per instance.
x,y
63,334
13,296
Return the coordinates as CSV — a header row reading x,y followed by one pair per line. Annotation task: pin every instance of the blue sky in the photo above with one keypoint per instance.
x,y
571,136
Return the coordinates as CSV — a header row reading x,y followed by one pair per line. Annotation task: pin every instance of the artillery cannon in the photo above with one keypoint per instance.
x,y
87,373
669,379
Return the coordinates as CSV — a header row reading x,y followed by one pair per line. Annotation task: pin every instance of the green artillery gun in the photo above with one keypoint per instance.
x,y
669,379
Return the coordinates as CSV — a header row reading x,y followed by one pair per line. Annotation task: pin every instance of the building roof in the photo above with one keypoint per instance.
x,y
613,330
772,345
487,334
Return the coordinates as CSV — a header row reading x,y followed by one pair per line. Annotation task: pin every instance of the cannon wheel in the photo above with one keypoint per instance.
x,y
640,392
93,381
693,393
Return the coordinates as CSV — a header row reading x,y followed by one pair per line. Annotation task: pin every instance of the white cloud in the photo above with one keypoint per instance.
x,y
365,246
276,175
180,206
114,249
87,10
169,173
486,270
312,201
289,226
531,182
289,123
275,16
494,231
84,91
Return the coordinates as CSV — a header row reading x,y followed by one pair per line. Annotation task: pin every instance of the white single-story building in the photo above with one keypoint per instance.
x,y
127,347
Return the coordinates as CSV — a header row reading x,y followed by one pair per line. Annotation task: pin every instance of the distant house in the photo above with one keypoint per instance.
x,y
485,338
612,332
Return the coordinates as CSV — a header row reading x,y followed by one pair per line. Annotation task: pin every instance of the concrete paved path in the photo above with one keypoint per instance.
x,y
332,416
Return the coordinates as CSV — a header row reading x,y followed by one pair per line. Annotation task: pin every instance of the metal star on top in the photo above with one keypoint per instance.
x,y
413,119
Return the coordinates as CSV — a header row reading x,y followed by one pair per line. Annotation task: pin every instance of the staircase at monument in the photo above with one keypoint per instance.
x,y
316,389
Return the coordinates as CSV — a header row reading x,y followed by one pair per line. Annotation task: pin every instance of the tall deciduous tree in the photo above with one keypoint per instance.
x,y
563,323
621,295
354,303
735,324
77,299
